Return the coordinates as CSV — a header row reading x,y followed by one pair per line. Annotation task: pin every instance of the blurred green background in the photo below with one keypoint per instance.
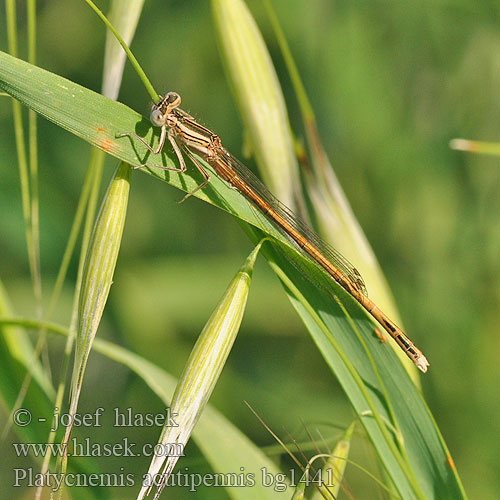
x,y
391,82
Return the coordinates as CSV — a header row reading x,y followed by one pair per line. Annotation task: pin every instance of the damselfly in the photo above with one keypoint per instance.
x,y
184,133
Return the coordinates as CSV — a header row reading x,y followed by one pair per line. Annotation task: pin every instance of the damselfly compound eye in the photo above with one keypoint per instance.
x,y
173,99
157,118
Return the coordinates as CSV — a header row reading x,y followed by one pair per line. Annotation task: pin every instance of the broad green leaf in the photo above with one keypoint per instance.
x,y
416,459
350,347
17,346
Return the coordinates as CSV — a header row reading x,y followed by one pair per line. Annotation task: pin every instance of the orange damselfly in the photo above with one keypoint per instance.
x,y
184,133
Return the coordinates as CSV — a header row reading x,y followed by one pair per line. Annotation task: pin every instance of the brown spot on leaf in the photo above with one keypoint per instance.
x,y
106,144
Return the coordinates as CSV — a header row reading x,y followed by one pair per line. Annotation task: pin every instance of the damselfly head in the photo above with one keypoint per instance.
x,y
161,110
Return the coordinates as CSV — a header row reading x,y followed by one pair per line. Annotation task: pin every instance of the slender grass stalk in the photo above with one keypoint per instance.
x,y
88,203
29,184
96,166
33,166
305,106
113,70
10,7
135,63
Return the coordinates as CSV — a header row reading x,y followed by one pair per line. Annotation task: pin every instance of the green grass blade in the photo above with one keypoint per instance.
x,y
201,373
423,470
336,221
258,94
17,347
222,444
342,338
100,264
16,356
